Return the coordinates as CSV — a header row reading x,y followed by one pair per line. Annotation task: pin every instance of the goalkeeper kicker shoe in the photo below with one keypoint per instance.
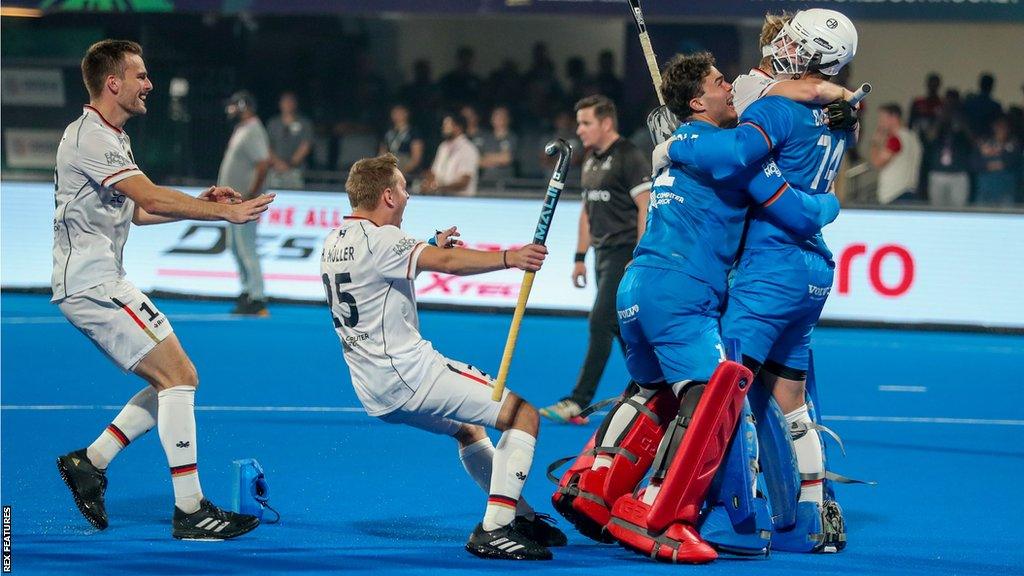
x,y
834,527
541,530
211,523
505,543
87,484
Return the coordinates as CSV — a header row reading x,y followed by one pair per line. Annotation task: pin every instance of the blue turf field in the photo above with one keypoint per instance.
x,y
936,418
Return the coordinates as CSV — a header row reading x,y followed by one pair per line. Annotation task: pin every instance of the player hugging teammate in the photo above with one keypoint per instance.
x,y
682,316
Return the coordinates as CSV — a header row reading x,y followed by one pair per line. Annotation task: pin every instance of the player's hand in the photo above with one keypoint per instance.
x,y
841,116
249,210
528,258
579,275
448,238
221,194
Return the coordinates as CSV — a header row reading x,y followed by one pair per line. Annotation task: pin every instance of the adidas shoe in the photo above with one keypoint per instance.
x,y
504,543
211,523
565,411
87,483
541,530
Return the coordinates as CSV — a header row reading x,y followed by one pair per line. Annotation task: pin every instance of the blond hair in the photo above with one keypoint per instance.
x,y
773,24
368,178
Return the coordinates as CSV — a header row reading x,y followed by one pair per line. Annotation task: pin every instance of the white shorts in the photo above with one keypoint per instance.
x,y
461,394
119,319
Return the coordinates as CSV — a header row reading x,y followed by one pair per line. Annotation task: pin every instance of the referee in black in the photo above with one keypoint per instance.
x,y
616,181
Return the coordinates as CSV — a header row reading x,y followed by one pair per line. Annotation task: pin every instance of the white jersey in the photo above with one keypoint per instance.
x,y
90,225
749,87
368,271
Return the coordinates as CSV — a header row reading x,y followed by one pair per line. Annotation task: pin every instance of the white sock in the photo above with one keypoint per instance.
x,y
176,423
808,457
620,420
477,459
511,465
134,420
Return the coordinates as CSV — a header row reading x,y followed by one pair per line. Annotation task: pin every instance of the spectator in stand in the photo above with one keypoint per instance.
x,y
505,86
997,162
498,149
544,94
896,154
948,156
423,97
606,81
475,134
455,167
404,141
980,109
580,83
925,110
371,94
291,141
462,84
565,128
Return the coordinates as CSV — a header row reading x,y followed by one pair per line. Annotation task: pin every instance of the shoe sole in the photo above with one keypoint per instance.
x,y
488,553
96,522
204,537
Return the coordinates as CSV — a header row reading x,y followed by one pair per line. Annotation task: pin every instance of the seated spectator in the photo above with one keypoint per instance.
x,y
404,141
473,131
454,171
607,82
498,149
291,140
896,154
949,161
462,84
997,161
423,98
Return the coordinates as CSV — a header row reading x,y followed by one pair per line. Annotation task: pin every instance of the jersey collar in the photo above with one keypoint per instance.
x,y
361,218
762,73
104,120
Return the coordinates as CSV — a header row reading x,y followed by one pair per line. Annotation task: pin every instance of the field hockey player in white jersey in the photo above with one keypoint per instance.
x,y
368,268
100,192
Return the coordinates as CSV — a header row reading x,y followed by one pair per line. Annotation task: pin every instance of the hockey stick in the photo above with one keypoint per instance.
x,y
859,95
661,122
563,150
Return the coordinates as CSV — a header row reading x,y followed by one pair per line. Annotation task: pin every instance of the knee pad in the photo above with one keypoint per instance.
x,y
585,496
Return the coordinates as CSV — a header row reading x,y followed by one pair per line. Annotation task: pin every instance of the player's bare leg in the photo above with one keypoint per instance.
x,y
501,534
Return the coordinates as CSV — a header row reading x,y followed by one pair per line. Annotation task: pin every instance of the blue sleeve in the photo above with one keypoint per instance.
x,y
722,154
773,117
801,214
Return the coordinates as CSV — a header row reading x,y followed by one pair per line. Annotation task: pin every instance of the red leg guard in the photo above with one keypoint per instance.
x,y
703,446
584,496
679,544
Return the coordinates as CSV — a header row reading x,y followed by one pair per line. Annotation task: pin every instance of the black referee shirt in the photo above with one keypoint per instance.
x,y
610,181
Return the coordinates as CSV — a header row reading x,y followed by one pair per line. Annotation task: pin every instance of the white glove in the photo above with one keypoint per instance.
x,y
659,158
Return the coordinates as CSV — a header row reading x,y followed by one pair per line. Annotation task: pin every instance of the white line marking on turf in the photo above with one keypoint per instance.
x,y
902,388
358,410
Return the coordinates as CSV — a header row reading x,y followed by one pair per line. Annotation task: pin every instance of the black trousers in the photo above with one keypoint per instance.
x,y
604,326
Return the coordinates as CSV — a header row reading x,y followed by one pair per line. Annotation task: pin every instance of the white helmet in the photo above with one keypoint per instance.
x,y
815,40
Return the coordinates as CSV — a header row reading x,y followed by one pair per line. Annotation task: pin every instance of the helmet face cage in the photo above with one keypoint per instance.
x,y
789,55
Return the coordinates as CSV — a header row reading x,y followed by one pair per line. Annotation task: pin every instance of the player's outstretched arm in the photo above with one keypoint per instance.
x,y
170,204
802,214
810,90
721,155
466,262
222,194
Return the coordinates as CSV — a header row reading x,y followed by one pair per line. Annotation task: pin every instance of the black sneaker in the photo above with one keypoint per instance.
x,y
87,484
242,304
211,523
541,530
504,543
833,526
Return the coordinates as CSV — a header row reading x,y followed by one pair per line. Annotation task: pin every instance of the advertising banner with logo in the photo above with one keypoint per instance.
x,y
33,87
891,266
31,147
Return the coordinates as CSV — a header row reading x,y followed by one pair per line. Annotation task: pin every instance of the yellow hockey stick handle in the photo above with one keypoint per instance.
x,y
652,65
513,335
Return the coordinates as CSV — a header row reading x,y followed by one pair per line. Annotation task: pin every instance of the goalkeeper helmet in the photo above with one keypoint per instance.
x,y
815,40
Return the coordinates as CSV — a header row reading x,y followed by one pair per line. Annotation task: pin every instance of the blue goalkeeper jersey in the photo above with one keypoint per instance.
x,y
695,222
807,152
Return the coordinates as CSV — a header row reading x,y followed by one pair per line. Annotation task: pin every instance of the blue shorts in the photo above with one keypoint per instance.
x,y
669,323
775,300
